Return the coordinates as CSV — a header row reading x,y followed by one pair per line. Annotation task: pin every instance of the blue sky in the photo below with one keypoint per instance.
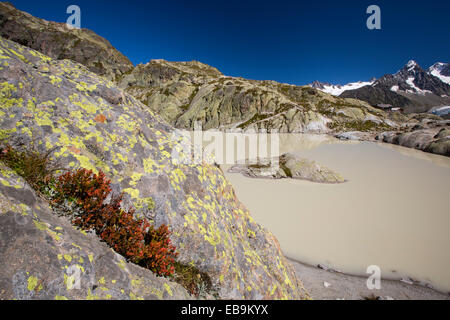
x,y
287,41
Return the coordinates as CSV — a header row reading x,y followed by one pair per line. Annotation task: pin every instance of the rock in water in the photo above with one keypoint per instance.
x,y
289,166
355,136
298,168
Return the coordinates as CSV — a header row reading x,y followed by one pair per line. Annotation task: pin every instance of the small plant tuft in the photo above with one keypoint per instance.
x,y
196,282
35,167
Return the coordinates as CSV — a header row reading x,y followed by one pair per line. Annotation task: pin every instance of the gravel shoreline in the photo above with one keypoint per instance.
x,y
328,285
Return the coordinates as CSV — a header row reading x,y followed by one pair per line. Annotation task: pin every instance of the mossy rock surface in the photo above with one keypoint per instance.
x,y
184,94
95,125
43,257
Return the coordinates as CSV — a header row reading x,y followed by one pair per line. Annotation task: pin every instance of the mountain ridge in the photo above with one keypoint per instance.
x,y
59,42
411,88
439,70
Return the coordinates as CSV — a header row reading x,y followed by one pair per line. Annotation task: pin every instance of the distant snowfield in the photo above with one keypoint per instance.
x,y
337,90
442,108
440,111
437,74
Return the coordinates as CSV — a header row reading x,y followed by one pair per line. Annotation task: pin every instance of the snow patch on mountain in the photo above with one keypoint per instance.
x,y
336,90
440,111
410,82
437,70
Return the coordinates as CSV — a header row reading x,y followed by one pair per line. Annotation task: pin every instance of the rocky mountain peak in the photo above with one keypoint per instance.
x,y
412,68
412,64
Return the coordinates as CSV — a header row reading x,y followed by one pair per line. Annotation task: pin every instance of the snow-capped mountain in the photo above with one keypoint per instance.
x,y
337,89
411,88
441,71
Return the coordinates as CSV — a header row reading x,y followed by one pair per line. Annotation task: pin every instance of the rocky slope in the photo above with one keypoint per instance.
x,y
57,41
429,135
93,124
186,92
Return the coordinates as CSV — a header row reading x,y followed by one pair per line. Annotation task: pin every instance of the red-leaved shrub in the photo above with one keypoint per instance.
x,y
135,239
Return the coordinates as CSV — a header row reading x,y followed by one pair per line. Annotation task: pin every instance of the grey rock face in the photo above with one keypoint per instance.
x,y
298,168
44,258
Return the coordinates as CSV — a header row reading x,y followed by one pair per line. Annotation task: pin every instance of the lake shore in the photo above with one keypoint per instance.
x,y
329,285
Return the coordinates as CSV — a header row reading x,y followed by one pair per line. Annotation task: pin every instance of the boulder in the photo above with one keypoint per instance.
x,y
90,123
288,166
299,168
43,257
